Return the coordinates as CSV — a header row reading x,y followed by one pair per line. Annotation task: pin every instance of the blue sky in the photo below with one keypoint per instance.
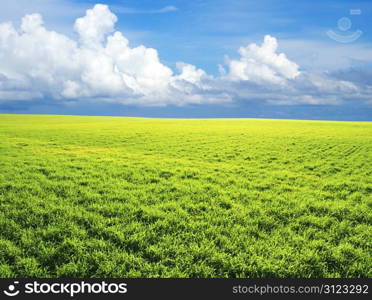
x,y
321,78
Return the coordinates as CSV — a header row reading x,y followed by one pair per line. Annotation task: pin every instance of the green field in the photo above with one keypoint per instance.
x,y
137,197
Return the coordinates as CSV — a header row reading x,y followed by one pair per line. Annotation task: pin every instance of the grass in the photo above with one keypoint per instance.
x,y
136,197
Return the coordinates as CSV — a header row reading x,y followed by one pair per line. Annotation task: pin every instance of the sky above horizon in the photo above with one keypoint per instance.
x,y
187,59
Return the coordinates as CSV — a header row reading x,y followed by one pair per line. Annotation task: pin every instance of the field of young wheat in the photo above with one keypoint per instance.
x,y
137,197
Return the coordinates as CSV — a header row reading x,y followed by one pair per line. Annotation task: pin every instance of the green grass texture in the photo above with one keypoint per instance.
x,y
201,198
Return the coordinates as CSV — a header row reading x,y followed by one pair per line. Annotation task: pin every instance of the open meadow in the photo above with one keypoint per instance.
x,y
137,197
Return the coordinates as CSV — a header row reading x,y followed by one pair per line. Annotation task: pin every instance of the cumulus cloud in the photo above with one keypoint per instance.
x,y
37,63
262,73
262,64
101,64
97,23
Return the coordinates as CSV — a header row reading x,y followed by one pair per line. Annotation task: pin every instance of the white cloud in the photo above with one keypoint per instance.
x,y
262,64
190,73
95,25
306,99
100,64
39,63
261,73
